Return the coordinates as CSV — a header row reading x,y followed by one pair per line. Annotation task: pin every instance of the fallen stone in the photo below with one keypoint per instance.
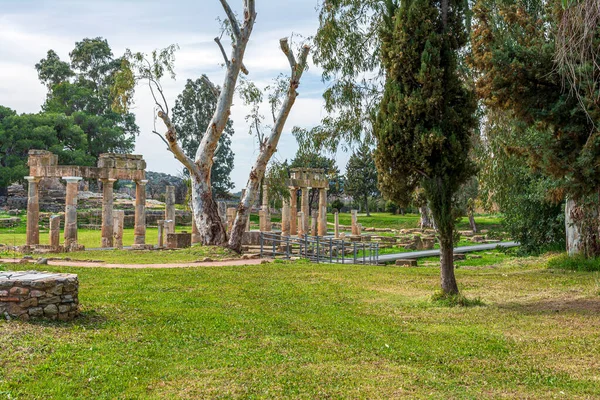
x,y
459,257
407,263
43,261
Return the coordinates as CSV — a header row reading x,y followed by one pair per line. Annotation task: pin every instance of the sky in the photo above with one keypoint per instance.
x,y
29,28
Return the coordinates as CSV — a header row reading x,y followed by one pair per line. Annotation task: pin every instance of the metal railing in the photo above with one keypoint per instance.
x,y
318,249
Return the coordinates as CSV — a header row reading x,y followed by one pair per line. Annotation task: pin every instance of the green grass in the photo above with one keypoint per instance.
x,y
312,331
195,253
577,263
411,221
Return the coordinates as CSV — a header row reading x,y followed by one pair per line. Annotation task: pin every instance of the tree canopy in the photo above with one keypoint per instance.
x,y
85,89
361,176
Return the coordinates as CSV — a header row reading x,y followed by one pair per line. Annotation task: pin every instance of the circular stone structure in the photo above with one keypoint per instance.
x,y
34,294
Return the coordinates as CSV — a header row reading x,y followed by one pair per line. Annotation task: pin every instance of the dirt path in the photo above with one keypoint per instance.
x,y
60,263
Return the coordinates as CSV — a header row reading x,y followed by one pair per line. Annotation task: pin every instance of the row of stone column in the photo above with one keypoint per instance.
x,y
109,216
297,223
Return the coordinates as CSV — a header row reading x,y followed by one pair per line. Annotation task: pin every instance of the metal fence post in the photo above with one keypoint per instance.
x,y
318,251
287,247
261,245
354,245
330,250
343,252
364,255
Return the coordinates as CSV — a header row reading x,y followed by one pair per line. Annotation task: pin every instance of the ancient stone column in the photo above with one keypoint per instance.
x,y
140,214
336,218
170,209
55,232
107,212
301,225
71,211
355,222
262,220
118,225
285,219
33,211
161,233
230,218
313,223
322,212
304,207
196,238
293,211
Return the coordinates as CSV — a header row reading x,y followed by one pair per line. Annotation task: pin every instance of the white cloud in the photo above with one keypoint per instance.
x,y
29,28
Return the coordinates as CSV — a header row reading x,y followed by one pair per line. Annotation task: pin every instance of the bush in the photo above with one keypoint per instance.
x,y
575,263
391,207
337,204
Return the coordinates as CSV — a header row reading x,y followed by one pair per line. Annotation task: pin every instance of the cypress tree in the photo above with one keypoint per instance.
x,y
426,117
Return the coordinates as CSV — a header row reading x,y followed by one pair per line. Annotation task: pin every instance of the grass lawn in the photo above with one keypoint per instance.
x,y
313,331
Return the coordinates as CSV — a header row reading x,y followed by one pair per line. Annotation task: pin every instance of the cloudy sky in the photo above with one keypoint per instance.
x,y
29,28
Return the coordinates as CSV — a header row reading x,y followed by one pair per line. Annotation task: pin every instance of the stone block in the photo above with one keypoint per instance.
x,y
459,257
180,240
407,263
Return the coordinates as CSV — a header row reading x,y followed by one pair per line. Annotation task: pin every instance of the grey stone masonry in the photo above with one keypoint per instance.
x,y
33,294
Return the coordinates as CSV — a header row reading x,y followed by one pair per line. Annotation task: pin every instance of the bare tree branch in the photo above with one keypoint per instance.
x,y
235,26
211,85
227,63
177,151
163,139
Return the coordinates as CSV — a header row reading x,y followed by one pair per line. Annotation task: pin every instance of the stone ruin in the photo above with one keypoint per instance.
x,y
110,168
31,295
297,223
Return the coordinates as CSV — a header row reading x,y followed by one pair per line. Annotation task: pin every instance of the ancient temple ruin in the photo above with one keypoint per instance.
x,y
110,168
297,223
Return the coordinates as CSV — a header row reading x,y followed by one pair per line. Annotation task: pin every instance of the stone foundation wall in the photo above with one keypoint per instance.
x,y
32,294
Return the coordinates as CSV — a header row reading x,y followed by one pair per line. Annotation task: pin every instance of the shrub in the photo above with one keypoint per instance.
x,y
337,204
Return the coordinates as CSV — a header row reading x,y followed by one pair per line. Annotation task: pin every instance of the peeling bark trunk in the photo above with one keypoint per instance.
x,y
425,217
268,147
367,206
448,279
472,221
206,213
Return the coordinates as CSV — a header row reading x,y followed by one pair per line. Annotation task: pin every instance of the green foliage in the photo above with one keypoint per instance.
x,y
157,183
337,204
576,263
88,91
531,217
514,52
348,49
192,113
391,207
45,131
361,176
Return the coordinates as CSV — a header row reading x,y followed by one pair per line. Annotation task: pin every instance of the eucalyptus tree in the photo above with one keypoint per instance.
x,y
152,68
268,144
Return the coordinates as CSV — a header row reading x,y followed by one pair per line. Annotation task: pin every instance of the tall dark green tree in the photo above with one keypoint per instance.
x,y
85,89
361,176
193,110
426,117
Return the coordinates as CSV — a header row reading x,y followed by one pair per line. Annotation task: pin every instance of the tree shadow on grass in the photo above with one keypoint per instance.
x,y
584,306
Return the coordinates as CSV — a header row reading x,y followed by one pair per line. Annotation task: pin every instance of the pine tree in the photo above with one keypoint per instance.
x,y
426,117
361,176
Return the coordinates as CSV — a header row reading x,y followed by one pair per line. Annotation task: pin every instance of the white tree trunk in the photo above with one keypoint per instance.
x,y
205,210
574,242
269,147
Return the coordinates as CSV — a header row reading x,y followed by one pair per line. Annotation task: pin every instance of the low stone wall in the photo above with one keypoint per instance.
x,y
34,294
